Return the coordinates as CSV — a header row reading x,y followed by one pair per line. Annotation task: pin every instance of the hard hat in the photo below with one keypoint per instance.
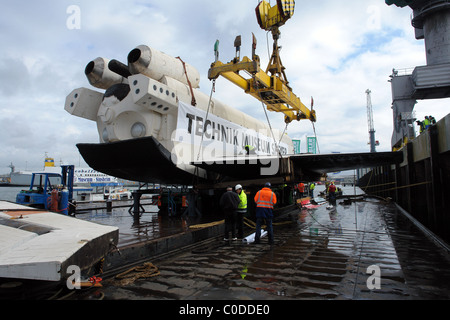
x,y
268,185
238,186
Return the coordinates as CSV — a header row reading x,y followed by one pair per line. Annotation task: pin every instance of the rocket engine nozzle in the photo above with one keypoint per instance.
x,y
119,68
156,64
101,76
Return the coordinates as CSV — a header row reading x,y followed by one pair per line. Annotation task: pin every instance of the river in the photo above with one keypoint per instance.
x,y
9,193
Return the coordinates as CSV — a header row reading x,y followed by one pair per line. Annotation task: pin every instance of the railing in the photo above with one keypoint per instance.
x,y
402,72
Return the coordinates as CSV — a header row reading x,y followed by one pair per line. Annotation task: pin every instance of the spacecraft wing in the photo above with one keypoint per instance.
x,y
305,166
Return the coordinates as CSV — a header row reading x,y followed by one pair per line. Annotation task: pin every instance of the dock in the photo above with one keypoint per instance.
x,y
418,183
364,248
39,245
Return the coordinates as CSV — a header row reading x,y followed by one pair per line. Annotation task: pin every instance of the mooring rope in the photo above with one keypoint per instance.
x,y
147,270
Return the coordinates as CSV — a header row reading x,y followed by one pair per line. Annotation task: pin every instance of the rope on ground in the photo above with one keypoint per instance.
x,y
147,270
249,223
206,225
281,223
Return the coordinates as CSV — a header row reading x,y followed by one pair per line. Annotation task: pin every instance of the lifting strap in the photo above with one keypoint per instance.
x,y
193,102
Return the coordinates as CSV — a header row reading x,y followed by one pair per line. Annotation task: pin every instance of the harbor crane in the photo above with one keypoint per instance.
x,y
271,86
373,143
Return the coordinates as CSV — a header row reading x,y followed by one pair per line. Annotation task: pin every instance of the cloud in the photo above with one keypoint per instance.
x,y
331,50
15,76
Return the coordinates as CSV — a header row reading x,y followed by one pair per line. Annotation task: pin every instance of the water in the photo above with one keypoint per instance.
x,y
10,193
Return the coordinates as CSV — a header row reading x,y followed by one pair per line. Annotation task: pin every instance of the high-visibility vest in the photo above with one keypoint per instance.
x,y
184,202
243,203
265,198
250,149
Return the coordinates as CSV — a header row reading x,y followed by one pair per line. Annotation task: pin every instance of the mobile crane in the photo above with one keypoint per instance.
x,y
271,87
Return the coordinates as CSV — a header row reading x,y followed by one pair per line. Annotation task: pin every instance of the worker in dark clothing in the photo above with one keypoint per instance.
x,y
250,150
420,124
229,203
432,120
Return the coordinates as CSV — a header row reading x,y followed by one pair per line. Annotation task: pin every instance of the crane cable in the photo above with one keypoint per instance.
x,y
213,89
282,135
315,135
196,170
277,145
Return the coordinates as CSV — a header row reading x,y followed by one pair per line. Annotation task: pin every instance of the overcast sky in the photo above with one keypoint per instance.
x,y
333,50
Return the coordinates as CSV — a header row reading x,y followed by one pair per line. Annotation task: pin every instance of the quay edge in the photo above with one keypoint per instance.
x,y
418,183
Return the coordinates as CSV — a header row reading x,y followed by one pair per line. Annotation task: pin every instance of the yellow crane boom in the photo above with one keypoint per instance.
x,y
270,86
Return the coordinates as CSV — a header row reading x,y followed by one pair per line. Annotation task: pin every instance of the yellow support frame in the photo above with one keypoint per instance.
x,y
272,90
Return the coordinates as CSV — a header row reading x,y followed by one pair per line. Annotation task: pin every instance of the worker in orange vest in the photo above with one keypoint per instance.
x,y
265,200
332,194
301,189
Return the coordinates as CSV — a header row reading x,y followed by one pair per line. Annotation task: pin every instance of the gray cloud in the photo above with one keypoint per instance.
x,y
331,51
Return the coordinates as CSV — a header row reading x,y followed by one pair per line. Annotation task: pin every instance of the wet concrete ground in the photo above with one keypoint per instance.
x,y
151,225
321,254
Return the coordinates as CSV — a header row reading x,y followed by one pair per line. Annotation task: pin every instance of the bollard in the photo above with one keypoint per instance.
x,y
136,206
109,205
